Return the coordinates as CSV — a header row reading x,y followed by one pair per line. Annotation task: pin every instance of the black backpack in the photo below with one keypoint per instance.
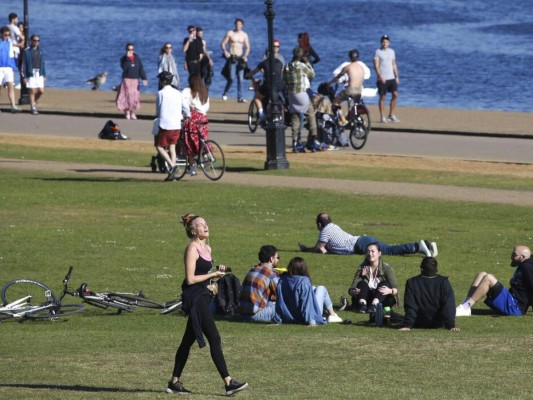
x,y
111,131
229,290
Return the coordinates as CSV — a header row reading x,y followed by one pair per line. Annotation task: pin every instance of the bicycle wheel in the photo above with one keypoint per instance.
x,y
172,305
56,311
360,128
108,303
19,288
212,161
136,300
253,117
181,160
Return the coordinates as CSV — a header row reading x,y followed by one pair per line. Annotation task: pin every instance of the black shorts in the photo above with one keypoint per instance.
x,y
389,86
264,91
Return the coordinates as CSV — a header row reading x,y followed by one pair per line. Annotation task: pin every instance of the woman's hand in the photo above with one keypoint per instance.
x,y
385,290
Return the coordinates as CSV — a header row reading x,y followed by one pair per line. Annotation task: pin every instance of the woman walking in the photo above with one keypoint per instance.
x,y
196,298
168,64
128,97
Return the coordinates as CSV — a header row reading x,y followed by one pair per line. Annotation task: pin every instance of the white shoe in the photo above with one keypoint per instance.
x,y
334,319
383,120
424,249
224,97
392,118
434,250
463,311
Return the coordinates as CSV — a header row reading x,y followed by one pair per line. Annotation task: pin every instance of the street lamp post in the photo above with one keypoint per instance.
x,y
275,128
24,93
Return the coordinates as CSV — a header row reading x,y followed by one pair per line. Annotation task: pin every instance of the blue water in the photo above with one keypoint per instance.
x,y
472,54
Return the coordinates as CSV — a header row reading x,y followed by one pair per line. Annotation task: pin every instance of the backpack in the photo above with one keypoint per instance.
x,y
111,131
229,290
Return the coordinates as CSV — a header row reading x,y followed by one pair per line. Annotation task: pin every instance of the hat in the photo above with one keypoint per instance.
x,y
384,37
297,52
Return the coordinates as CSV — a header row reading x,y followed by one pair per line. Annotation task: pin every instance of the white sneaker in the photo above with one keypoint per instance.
x,y
434,250
423,248
392,118
334,319
224,97
383,120
463,311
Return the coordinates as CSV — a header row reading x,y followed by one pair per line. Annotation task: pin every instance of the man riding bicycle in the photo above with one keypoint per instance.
x,y
262,92
356,74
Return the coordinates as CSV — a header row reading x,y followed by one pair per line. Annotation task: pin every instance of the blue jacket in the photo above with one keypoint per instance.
x,y
6,59
296,301
27,66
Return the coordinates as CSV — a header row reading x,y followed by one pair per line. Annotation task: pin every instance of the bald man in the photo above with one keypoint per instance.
x,y
514,301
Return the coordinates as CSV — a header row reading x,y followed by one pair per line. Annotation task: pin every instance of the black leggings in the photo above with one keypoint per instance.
x,y
368,294
213,337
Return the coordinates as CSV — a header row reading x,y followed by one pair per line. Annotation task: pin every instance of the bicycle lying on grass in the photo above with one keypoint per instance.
x,y
118,300
26,299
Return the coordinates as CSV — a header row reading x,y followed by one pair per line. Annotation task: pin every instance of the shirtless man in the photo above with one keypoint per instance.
x,y
356,75
236,57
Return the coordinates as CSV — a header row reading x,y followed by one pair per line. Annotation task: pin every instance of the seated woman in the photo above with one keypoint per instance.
x,y
196,97
374,282
298,301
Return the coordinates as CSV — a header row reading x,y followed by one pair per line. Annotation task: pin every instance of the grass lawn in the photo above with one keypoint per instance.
x,y
124,235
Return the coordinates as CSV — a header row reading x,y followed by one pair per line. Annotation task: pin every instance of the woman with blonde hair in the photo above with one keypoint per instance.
x,y
196,298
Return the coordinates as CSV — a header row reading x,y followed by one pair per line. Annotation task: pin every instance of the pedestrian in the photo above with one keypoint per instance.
x,y
34,72
236,58
206,61
196,297
128,96
309,53
193,47
388,78
7,67
168,63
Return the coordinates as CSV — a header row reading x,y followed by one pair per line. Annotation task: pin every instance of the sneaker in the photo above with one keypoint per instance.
x,y
383,120
423,247
15,110
344,303
224,97
372,309
171,173
241,100
334,319
176,388
343,122
133,116
331,148
463,311
434,250
34,111
192,170
362,308
392,118
235,387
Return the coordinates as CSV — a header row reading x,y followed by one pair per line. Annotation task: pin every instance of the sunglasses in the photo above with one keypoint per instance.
x,y
35,40
168,47
131,49
276,46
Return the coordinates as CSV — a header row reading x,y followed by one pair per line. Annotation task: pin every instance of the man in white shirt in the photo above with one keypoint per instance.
x,y
169,107
388,78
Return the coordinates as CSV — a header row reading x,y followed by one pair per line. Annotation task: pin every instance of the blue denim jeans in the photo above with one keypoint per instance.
x,y
322,298
264,315
235,69
390,250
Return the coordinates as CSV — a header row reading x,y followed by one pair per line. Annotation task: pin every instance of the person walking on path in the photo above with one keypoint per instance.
x,y
332,239
388,78
514,301
168,63
7,67
128,97
236,58
34,72
429,299
196,298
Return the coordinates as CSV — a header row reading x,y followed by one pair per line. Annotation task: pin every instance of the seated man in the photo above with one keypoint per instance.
x,y
429,299
258,293
334,240
514,301
374,283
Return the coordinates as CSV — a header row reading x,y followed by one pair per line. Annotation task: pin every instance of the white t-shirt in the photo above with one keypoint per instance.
x,y
14,35
169,107
386,57
194,102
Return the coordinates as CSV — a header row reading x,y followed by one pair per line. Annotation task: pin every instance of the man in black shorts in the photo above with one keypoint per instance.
x,y
388,78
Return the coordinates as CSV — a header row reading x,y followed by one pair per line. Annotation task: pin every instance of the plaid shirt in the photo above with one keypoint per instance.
x,y
258,288
294,75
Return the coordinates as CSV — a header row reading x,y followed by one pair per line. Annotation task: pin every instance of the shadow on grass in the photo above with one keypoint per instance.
x,y
96,179
76,388
244,169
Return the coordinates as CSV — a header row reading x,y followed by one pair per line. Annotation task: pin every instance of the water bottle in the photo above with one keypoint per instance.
x,y
379,314
386,315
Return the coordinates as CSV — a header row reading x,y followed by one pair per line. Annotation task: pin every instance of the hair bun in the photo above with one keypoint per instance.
x,y
187,218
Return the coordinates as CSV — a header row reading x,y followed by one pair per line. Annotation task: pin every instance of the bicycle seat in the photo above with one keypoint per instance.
x,y
82,290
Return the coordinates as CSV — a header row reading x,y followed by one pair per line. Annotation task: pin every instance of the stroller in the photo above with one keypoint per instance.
x,y
330,134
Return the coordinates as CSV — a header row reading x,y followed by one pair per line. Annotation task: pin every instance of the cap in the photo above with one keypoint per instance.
x,y
384,37
297,52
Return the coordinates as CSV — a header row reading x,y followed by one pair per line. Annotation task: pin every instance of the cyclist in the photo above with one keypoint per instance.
x,y
356,74
263,91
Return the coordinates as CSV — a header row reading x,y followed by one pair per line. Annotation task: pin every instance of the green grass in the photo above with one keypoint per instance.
x,y
253,165
124,235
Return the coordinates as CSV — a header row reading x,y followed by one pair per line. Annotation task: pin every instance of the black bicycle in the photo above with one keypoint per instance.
x,y
27,299
210,157
118,300
358,122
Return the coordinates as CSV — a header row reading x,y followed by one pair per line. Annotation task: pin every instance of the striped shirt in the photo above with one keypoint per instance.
x,y
258,288
337,241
